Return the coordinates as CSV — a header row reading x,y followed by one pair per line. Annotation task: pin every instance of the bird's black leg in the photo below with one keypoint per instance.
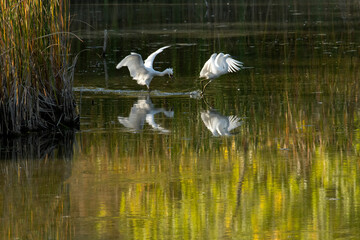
x,y
203,90
201,83
206,103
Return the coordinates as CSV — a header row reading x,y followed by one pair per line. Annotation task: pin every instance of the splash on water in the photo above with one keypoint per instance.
x,y
192,94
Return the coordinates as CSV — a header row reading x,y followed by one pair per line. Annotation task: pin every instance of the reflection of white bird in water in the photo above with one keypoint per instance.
x,y
218,124
143,110
141,71
218,65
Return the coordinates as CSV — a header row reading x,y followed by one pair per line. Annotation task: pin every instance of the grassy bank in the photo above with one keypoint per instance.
x,y
36,75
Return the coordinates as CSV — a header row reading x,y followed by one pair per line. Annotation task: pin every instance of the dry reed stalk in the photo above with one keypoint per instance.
x,y
36,76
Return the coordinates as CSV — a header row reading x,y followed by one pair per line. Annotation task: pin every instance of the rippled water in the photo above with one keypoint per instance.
x,y
146,166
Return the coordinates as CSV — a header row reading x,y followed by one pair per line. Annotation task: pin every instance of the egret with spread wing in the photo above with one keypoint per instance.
x,y
143,71
218,65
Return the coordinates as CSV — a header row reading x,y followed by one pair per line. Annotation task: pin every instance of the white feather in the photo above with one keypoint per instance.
x,y
217,65
141,71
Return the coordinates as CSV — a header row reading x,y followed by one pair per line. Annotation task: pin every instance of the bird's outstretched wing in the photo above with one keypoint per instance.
x,y
221,63
149,61
134,63
233,65
208,67
234,122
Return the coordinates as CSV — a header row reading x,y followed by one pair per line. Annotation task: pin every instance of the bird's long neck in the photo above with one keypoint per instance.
x,y
163,73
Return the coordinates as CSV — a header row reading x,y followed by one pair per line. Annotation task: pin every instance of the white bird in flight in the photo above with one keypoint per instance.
x,y
219,125
217,65
142,71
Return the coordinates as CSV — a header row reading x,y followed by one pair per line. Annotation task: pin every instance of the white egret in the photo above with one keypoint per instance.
x,y
144,110
142,71
219,125
217,65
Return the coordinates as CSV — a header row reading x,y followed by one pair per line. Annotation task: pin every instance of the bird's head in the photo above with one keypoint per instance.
x,y
170,72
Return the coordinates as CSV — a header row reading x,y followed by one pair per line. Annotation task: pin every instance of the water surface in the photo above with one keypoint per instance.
x,y
145,165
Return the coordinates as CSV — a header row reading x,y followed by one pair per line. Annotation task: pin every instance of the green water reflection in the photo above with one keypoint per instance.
x,y
290,171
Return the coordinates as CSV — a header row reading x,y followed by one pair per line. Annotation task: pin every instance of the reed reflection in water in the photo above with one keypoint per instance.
x,y
35,196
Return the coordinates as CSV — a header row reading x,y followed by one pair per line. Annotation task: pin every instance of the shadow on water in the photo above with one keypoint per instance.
x,y
34,169
38,146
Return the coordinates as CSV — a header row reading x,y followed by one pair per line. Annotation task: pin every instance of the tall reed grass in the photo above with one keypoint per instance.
x,y
36,75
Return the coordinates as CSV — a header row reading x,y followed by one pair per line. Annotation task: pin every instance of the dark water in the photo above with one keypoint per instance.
x,y
145,166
